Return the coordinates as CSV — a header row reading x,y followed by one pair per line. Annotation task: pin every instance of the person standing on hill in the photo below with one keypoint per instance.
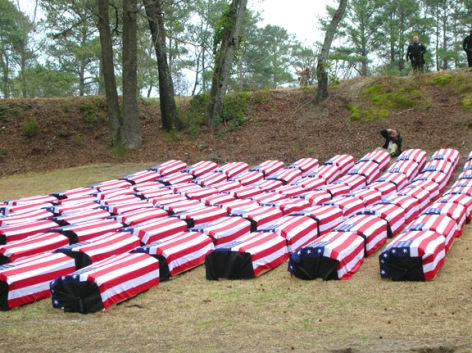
x,y
467,46
415,53
393,141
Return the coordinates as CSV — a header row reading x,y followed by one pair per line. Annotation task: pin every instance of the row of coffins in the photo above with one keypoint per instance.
x,y
420,250
82,230
328,204
340,253
257,218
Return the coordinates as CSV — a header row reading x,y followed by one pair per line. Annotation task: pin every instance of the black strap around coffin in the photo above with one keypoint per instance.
x,y
73,238
82,297
164,273
4,259
229,265
310,268
81,260
406,268
4,296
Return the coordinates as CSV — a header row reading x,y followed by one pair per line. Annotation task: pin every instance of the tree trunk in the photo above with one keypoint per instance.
x,y
130,129
113,106
224,61
321,73
169,116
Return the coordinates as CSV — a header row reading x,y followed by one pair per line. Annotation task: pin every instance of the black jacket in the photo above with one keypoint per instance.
x,y
398,140
415,51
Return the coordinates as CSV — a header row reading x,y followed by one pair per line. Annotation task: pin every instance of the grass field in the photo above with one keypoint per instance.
x,y
272,313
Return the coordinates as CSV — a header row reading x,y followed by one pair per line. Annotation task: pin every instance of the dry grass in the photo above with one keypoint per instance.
x,y
273,313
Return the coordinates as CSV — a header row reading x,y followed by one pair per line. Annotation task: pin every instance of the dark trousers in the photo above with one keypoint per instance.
x,y
417,63
469,57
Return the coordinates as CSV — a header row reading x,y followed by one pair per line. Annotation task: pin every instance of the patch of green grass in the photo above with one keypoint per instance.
x,y
441,80
78,140
30,127
356,113
260,96
120,151
382,98
461,84
466,104
173,135
92,111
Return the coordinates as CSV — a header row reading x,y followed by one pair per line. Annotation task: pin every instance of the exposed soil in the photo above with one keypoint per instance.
x,y
284,125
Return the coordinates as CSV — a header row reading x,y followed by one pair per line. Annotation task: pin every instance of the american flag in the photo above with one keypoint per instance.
x,y
399,179
142,176
175,178
27,280
381,157
344,161
232,169
111,281
181,251
386,188
159,229
348,205
428,185
327,217
34,215
460,199
408,203
415,155
210,178
440,224
310,183
438,177
266,250
169,167
23,230
81,216
368,196
111,184
87,230
456,211
32,245
414,256
140,216
286,176
297,230
100,248
201,193
394,215
249,177
354,182
336,189
371,170
328,172
304,164
339,254
225,229
409,168
269,167
259,215
372,229
202,215
423,196
200,168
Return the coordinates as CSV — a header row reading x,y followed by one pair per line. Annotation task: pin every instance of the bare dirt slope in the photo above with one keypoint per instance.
x,y
283,125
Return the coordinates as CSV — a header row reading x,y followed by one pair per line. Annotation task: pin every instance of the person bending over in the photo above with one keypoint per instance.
x,y
393,141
